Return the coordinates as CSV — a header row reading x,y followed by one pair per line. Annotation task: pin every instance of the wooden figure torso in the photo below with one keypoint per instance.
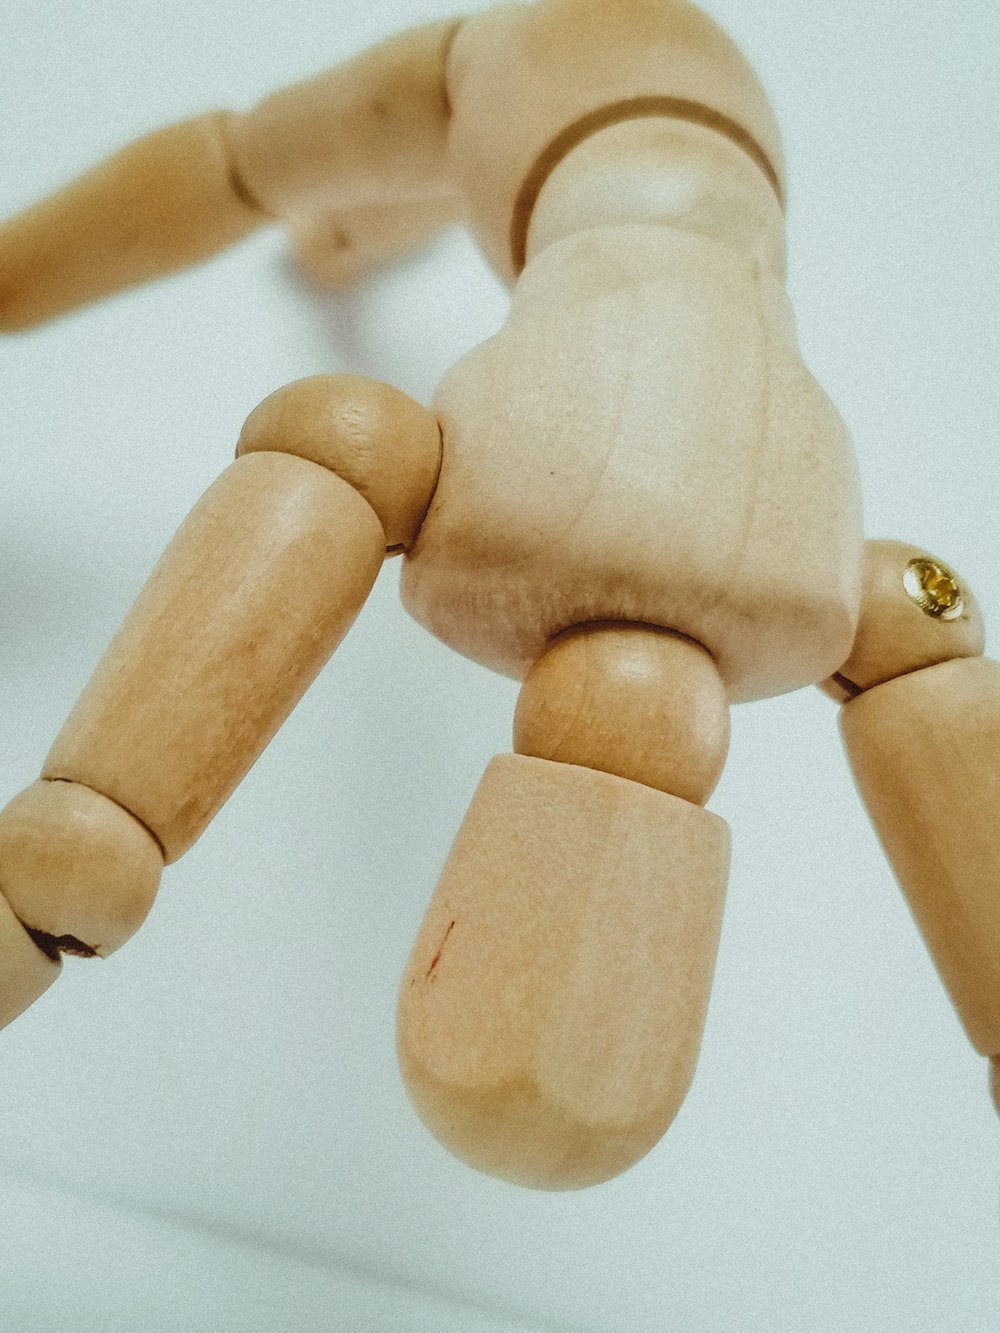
x,y
641,442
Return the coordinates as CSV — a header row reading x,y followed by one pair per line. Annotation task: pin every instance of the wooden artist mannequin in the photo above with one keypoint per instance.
x,y
635,498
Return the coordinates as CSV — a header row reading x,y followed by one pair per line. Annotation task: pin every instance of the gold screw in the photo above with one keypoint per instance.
x,y
934,588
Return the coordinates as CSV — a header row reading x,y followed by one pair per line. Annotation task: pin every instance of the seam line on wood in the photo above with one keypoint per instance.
x,y
220,121
446,49
633,108
848,686
141,822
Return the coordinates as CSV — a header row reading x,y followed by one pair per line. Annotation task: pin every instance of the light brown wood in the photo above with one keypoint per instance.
x,y
339,248
25,972
895,634
518,76
77,867
633,700
551,1012
364,142
641,442
666,172
925,750
162,203
260,584
372,130
375,437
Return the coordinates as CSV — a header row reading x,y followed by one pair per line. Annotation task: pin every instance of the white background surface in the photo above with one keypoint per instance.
x,y
208,1131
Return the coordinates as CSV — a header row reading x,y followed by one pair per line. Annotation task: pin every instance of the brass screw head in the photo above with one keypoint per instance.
x,y
934,588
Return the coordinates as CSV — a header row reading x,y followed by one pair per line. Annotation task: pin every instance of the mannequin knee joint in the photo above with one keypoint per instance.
x,y
376,438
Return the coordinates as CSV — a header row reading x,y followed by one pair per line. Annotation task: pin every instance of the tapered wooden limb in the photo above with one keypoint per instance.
x,y
925,750
163,203
551,1012
921,726
257,589
249,600
361,137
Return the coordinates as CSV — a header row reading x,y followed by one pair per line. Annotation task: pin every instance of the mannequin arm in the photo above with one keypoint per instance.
x,y
369,131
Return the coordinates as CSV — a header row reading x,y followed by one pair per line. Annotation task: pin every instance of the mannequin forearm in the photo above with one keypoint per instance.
x,y
163,203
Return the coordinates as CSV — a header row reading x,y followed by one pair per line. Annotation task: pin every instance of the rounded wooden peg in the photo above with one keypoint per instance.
x,y
551,1012
915,612
76,867
925,750
634,700
25,971
374,436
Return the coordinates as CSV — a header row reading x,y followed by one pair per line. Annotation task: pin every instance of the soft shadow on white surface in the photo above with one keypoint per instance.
x,y
835,1166
81,1265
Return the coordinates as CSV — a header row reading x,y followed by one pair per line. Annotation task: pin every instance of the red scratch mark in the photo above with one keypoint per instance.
x,y
437,957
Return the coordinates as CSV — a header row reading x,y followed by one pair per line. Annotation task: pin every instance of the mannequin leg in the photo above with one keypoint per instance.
x,y
552,1009
256,590
921,726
